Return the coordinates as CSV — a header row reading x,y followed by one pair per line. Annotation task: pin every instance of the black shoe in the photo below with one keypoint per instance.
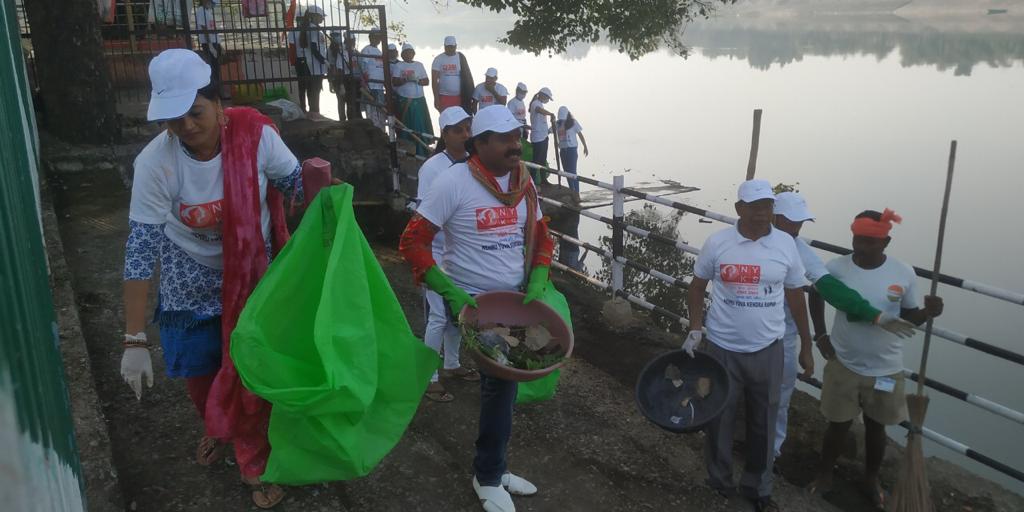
x,y
766,504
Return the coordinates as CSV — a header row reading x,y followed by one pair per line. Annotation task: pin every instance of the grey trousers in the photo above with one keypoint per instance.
x,y
758,375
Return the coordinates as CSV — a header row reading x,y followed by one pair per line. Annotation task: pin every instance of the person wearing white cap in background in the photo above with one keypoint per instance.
x,y
408,78
392,53
539,129
440,331
182,187
206,19
790,214
488,210
755,269
568,129
371,61
452,80
490,92
518,108
310,57
344,67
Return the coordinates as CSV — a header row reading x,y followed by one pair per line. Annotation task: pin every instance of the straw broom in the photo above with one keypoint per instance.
x,y
912,492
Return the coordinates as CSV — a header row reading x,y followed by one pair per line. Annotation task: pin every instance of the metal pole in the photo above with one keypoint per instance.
x,y
755,138
187,24
617,234
388,96
130,15
396,186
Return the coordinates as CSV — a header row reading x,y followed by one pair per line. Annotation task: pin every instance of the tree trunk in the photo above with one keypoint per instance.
x,y
71,72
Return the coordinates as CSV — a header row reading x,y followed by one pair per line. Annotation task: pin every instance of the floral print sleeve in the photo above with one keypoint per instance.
x,y
142,250
291,185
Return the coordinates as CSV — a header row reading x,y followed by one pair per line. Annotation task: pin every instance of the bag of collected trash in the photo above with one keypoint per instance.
x,y
544,388
324,340
289,111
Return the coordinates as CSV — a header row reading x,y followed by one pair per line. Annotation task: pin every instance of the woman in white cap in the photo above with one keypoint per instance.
x,y
490,92
539,128
207,204
408,78
568,129
310,57
441,331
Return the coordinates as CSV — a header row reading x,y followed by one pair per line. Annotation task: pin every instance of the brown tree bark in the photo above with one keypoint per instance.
x,y
71,73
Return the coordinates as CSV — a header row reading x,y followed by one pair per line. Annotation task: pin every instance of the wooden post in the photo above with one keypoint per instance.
x,y
130,15
754,139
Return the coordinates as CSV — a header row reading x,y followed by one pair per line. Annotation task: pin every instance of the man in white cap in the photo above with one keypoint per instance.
x,y
539,129
790,214
372,64
755,269
408,78
440,331
490,92
453,82
518,108
310,58
489,212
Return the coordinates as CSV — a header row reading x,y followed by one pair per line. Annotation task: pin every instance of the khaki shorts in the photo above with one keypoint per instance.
x,y
844,394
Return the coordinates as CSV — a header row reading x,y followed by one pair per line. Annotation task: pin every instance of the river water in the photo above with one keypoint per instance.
x,y
859,111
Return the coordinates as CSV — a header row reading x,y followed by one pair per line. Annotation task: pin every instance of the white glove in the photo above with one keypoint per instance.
x,y
692,340
136,363
898,326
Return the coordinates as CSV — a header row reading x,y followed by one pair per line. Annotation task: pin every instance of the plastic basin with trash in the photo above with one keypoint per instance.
x,y
668,391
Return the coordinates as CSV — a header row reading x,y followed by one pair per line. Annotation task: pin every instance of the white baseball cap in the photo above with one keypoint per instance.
x,y
452,116
521,87
391,46
449,41
793,207
495,118
547,92
755,190
176,75
563,113
407,46
314,9
491,72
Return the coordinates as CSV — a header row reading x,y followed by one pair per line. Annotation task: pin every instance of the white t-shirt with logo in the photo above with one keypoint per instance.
x,y
184,194
814,269
205,20
484,97
567,137
749,279
429,172
538,122
449,66
412,72
864,348
518,109
315,39
373,69
484,242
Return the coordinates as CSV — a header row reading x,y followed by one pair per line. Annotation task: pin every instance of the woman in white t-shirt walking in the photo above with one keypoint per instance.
x,y
539,128
207,204
568,129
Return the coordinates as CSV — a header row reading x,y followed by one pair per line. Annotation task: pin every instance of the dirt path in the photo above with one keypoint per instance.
x,y
588,449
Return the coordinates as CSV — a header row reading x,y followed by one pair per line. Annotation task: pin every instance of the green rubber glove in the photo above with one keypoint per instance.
x,y
846,299
454,296
538,281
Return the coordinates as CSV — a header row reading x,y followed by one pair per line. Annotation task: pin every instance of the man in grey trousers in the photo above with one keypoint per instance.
x,y
755,270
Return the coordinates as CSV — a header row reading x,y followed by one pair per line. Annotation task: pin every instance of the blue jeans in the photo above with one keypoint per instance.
x,y
496,399
569,158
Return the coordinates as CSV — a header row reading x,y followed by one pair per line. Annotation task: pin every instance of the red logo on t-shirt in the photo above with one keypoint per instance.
x,y
450,68
408,74
894,293
742,274
200,216
497,217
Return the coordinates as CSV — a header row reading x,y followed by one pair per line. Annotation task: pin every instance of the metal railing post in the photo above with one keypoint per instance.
x,y
618,249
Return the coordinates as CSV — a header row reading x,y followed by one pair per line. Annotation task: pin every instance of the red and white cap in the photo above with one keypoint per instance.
x,y
176,75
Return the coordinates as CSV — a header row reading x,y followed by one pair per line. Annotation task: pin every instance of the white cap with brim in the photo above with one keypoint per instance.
x,y
495,118
391,46
314,9
452,116
563,113
521,87
547,92
449,41
792,206
491,72
407,46
755,190
177,75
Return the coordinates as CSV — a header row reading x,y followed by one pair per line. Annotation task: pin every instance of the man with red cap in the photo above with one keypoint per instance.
x,y
864,373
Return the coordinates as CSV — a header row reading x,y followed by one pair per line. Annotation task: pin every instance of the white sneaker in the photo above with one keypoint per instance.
x,y
518,485
494,498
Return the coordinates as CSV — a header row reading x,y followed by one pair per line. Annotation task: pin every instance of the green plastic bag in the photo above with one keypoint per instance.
x,y
324,339
544,388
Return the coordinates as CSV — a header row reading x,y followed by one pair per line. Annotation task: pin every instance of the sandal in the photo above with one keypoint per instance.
x,y
463,373
877,494
209,451
264,495
436,393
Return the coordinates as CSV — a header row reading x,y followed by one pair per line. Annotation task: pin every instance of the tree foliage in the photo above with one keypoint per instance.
x,y
636,27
